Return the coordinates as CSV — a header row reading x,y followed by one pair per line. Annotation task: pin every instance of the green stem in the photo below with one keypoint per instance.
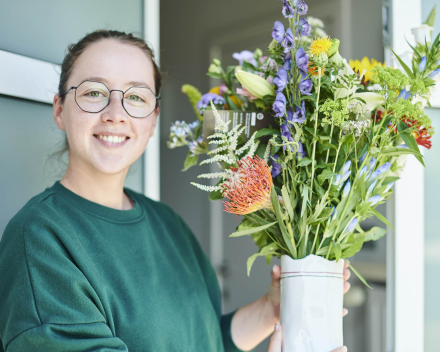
x,y
316,235
314,133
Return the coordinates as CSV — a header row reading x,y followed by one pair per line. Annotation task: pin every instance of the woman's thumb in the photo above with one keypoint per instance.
x,y
276,339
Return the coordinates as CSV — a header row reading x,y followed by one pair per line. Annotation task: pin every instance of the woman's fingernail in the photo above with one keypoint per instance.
x,y
344,349
277,327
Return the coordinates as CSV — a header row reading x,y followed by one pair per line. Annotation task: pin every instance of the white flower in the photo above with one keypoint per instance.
x,y
375,87
421,32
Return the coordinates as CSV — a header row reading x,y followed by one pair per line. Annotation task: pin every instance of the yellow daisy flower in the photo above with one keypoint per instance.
x,y
320,46
365,64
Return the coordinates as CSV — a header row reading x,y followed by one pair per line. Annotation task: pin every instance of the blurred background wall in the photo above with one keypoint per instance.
x,y
192,33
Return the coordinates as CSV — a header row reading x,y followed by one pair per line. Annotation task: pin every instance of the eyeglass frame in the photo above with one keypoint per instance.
x,y
158,97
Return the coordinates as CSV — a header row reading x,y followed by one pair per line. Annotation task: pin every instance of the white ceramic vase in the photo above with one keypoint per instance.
x,y
311,304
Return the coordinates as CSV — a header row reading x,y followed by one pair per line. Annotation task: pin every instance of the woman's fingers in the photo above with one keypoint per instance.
x,y
346,287
347,274
344,312
340,349
276,340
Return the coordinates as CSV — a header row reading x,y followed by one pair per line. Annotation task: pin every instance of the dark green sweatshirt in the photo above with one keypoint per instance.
x,y
79,276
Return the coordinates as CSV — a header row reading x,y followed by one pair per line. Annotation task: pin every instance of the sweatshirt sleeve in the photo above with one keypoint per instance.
x,y
213,288
46,302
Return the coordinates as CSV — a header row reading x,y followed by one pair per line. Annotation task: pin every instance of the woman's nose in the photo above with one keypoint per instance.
x,y
115,111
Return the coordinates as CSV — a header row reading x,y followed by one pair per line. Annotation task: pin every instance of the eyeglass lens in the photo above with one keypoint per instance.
x,y
94,96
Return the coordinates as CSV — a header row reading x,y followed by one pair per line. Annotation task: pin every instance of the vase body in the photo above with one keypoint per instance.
x,y
311,304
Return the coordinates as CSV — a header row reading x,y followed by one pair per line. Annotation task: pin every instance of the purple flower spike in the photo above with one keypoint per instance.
x,y
302,60
288,10
286,134
301,150
276,168
305,86
279,106
422,64
304,28
245,55
301,8
299,116
288,42
280,79
278,31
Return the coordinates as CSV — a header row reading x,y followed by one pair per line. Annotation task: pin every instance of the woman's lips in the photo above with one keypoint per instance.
x,y
109,144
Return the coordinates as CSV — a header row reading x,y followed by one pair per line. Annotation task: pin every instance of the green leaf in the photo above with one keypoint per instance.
x,y
382,218
374,150
230,103
409,140
214,75
430,21
374,233
190,161
286,199
267,131
338,250
305,198
269,249
215,195
405,67
392,151
304,162
358,275
252,230
279,216
325,175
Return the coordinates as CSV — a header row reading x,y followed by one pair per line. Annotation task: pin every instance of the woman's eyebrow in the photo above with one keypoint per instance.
x,y
131,83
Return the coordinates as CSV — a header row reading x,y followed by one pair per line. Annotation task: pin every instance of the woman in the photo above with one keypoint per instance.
x,y
89,265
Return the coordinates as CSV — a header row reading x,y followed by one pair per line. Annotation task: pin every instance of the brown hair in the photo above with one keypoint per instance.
x,y
75,50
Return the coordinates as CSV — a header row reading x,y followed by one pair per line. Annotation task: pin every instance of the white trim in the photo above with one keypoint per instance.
x,y
151,156
28,78
408,241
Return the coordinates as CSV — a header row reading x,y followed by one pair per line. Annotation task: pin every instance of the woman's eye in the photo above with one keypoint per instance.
x,y
94,93
135,98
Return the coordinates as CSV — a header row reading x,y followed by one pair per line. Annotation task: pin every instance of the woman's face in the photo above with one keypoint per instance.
x,y
115,64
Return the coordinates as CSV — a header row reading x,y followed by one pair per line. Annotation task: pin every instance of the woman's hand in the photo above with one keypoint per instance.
x,y
276,341
273,296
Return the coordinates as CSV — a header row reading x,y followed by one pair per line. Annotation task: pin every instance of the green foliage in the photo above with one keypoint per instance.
x,y
335,112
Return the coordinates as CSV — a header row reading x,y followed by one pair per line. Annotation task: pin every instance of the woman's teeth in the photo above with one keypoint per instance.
x,y
112,139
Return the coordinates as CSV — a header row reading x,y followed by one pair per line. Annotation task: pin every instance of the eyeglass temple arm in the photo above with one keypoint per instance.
x,y
68,90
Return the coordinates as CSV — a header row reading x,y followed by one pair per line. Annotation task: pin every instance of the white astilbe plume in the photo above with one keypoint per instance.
x,y
207,188
249,144
267,152
220,125
214,175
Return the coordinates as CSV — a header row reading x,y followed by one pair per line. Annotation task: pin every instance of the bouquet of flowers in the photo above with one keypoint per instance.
x,y
329,157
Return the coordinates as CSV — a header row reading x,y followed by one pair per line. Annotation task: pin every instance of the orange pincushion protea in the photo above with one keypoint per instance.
x,y
248,187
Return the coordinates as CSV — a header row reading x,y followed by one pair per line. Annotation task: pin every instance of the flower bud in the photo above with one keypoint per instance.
x,y
214,69
257,54
334,48
255,84
217,62
336,60
320,60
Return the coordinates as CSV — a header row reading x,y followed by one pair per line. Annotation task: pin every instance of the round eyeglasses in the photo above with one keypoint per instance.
x,y
92,96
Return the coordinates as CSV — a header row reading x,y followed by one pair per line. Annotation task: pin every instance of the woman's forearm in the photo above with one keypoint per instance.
x,y
251,324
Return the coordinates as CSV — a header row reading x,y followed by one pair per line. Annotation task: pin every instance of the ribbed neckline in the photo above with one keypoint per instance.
x,y
101,211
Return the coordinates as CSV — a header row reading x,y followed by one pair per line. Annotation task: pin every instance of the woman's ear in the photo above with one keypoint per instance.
x,y
58,112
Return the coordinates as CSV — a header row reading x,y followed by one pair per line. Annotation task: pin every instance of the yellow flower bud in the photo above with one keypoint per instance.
x,y
255,84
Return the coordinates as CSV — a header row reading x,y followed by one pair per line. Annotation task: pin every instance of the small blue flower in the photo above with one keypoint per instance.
x,y
345,167
243,56
301,8
404,94
346,189
363,170
372,163
278,31
403,145
345,176
374,199
281,79
337,180
288,10
194,125
371,188
381,169
276,168
422,64
288,41
362,158
279,106
389,185
434,73
352,225
205,101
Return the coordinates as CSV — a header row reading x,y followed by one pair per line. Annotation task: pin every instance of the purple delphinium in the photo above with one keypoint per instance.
x,y
205,101
304,28
288,10
302,60
279,106
280,79
301,150
305,86
286,133
278,31
276,168
245,55
301,8
299,116
287,61
288,41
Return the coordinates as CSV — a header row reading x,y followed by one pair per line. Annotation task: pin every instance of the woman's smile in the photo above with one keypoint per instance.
x,y
111,141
